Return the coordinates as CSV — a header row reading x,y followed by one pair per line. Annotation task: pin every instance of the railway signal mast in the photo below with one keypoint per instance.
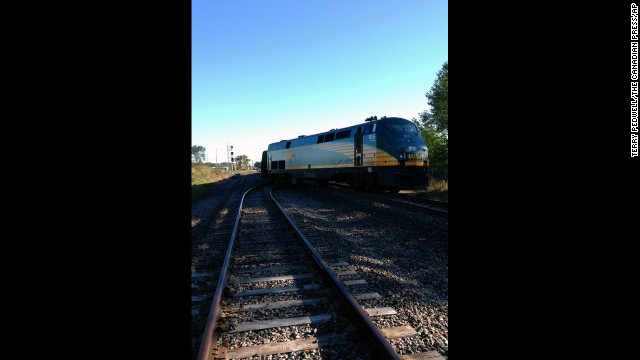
x,y
230,158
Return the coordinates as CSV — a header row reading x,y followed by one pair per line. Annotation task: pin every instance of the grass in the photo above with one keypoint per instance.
x,y
203,174
438,190
438,185
205,180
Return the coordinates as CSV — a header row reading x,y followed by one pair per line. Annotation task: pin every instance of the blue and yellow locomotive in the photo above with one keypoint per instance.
x,y
385,153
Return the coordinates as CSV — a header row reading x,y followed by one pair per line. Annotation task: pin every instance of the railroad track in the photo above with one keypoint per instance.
x,y
437,203
276,294
422,204
401,252
209,238
414,202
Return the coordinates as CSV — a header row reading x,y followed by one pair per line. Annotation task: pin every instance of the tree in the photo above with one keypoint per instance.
x,y
197,153
242,161
434,123
438,98
257,164
438,147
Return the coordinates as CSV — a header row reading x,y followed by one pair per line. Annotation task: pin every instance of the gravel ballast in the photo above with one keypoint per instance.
x,y
401,253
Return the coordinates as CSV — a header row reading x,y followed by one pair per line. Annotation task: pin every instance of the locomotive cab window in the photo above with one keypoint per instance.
x,y
367,129
329,137
343,134
397,128
320,139
288,145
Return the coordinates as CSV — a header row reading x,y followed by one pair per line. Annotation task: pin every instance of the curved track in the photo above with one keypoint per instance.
x,y
212,223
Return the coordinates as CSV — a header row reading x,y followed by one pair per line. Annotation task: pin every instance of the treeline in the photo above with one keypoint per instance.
x,y
198,156
434,122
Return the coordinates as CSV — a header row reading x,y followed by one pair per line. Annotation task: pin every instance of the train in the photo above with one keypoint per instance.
x,y
380,154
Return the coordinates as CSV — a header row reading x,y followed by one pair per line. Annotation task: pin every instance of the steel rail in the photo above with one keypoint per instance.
x,y
418,207
382,345
404,203
437,202
215,312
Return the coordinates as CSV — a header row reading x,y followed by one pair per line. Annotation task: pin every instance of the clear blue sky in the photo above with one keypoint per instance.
x,y
264,71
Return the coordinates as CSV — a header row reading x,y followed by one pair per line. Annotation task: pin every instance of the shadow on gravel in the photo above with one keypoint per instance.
x,y
221,190
397,252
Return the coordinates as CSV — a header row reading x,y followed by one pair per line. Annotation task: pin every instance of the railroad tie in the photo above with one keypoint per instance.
x,y
355,282
280,347
429,355
272,278
267,324
340,263
276,290
380,311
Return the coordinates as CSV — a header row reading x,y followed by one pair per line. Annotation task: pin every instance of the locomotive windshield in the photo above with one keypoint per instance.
x,y
400,137
401,128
